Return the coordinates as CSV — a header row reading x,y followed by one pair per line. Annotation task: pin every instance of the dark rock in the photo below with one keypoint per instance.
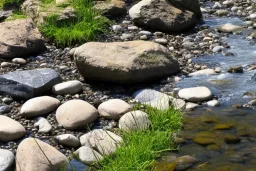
x,y
28,84
236,69
4,109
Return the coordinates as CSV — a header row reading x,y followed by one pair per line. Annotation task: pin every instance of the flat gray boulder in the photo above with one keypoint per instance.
x,y
28,84
162,15
195,94
124,62
20,38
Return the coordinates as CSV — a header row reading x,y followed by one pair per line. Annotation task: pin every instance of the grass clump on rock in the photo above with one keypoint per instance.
x,y
140,148
85,27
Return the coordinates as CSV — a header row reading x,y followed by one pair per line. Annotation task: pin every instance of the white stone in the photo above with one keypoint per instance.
x,y
75,114
69,87
195,94
113,108
203,72
217,49
252,16
10,129
190,106
213,103
87,155
229,28
6,64
68,140
178,104
104,142
39,106
43,124
6,160
134,120
117,28
153,98
19,61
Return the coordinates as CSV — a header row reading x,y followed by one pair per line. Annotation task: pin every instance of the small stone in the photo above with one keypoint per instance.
x,y
178,104
161,41
43,124
217,70
6,64
144,37
39,106
134,120
87,155
190,106
147,33
7,100
217,49
113,108
69,87
126,36
117,28
203,72
252,103
185,162
133,28
213,103
20,61
222,12
223,126
10,129
68,140
236,69
230,28
4,109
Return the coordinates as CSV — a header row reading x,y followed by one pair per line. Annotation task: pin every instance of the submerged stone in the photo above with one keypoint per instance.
x,y
223,126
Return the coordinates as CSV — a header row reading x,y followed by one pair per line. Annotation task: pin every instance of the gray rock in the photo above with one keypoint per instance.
x,y
87,155
230,28
185,162
153,98
162,41
111,8
19,61
147,33
6,160
203,72
43,124
117,28
4,109
68,140
134,120
191,106
217,49
178,104
28,84
213,103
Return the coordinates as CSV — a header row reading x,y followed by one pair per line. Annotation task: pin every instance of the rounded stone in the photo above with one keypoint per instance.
x,y
10,129
39,106
195,94
6,160
68,140
113,109
134,120
87,155
69,87
75,114
43,124
19,61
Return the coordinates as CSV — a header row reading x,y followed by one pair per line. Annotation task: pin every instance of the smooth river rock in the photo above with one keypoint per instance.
x,y
69,87
28,84
134,120
76,114
87,155
43,124
203,72
10,129
39,106
195,94
33,153
68,140
124,62
230,28
104,142
113,108
7,159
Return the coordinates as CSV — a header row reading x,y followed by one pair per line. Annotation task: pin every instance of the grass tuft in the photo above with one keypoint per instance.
x,y
141,148
85,28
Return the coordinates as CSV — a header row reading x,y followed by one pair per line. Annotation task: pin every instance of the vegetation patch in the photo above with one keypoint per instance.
x,y
85,27
140,148
16,15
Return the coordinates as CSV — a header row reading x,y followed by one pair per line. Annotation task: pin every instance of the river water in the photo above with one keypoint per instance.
x,y
222,138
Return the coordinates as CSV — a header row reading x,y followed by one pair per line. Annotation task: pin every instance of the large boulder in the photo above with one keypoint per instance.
x,y
20,38
33,153
162,15
10,129
28,84
124,62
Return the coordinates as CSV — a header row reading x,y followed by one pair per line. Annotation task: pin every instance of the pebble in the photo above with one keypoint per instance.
x,y
161,41
87,155
69,87
19,61
147,33
133,28
43,124
117,28
6,64
217,49
4,109
68,140
213,103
